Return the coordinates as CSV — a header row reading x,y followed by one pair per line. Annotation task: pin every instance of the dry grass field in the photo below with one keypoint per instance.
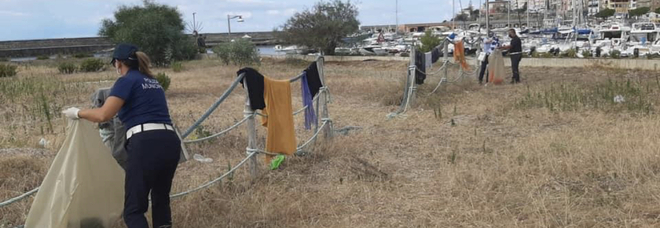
x,y
554,151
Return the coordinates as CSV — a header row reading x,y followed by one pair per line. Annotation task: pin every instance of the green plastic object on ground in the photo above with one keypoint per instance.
x,y
276,162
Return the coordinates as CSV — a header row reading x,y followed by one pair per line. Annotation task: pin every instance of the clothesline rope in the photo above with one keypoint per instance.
x,y
219,133
213,107
323,90
250,152
18,198
411,87
208,184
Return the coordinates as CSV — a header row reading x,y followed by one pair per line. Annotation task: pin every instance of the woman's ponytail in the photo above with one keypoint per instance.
x,y
143,63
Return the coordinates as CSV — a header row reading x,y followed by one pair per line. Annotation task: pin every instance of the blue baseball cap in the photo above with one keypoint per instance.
x,y
124,52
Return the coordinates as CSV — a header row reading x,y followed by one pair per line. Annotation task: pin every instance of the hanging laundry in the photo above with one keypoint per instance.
x,y
435,55
459,55
313,79
281,136
84,186
310,116
496,67
420,73
428,60
255,85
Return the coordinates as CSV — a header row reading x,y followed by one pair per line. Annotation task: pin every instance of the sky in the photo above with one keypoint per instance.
x,y
39,19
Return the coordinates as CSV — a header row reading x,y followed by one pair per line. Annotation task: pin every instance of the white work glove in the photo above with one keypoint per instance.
x,y
72,113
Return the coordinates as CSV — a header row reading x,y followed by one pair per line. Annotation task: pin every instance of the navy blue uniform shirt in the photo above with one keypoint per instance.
x,y
516,45
144,100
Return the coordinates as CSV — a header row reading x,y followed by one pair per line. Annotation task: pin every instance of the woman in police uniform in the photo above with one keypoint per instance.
x,y
152,145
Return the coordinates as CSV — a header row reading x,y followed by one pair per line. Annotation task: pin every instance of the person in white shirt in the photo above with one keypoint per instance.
x,y
489,45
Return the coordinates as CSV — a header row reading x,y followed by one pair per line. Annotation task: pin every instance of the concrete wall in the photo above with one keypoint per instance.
x,y
65,46
259,38
31,48
45,43
636,64
339,58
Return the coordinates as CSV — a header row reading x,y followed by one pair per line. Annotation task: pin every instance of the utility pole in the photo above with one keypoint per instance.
x,y
453,14
487,17
545,12
479,19
397,16
527,12
508,15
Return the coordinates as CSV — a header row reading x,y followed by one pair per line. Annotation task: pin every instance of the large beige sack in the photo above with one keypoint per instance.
x,y
496,68
84,186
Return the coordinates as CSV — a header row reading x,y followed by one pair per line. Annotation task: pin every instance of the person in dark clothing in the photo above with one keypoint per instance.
x,y
515,51
152,145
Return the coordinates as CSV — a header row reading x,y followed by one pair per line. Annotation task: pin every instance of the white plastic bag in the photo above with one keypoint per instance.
x,y
482,56
84,186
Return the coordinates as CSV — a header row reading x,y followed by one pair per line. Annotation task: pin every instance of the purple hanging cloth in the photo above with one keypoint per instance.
x,y
310,115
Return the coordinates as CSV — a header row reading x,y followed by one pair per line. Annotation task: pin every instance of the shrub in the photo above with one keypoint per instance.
x,y
66,68
7,70
163,80
586,53
429,41
241,52
615,54
223,51
542,55
91,65
177,66
82,55
4,60
570,53
244,52
42,57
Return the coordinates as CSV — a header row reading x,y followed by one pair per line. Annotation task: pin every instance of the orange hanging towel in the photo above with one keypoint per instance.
x,y
459,55
281,136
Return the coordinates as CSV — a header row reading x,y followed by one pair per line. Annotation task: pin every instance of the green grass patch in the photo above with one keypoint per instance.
x,y
630,96
8,70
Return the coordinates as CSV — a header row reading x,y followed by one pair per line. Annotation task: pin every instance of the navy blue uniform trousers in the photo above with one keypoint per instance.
x,y
152,160
515,67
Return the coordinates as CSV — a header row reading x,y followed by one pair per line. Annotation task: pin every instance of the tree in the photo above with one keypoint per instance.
x,y
639,11
156,29
605,13
429,41
475,14
461,17
657,10
323,27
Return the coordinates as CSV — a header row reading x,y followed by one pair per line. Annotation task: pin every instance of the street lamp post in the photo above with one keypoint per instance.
x,y
229,17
